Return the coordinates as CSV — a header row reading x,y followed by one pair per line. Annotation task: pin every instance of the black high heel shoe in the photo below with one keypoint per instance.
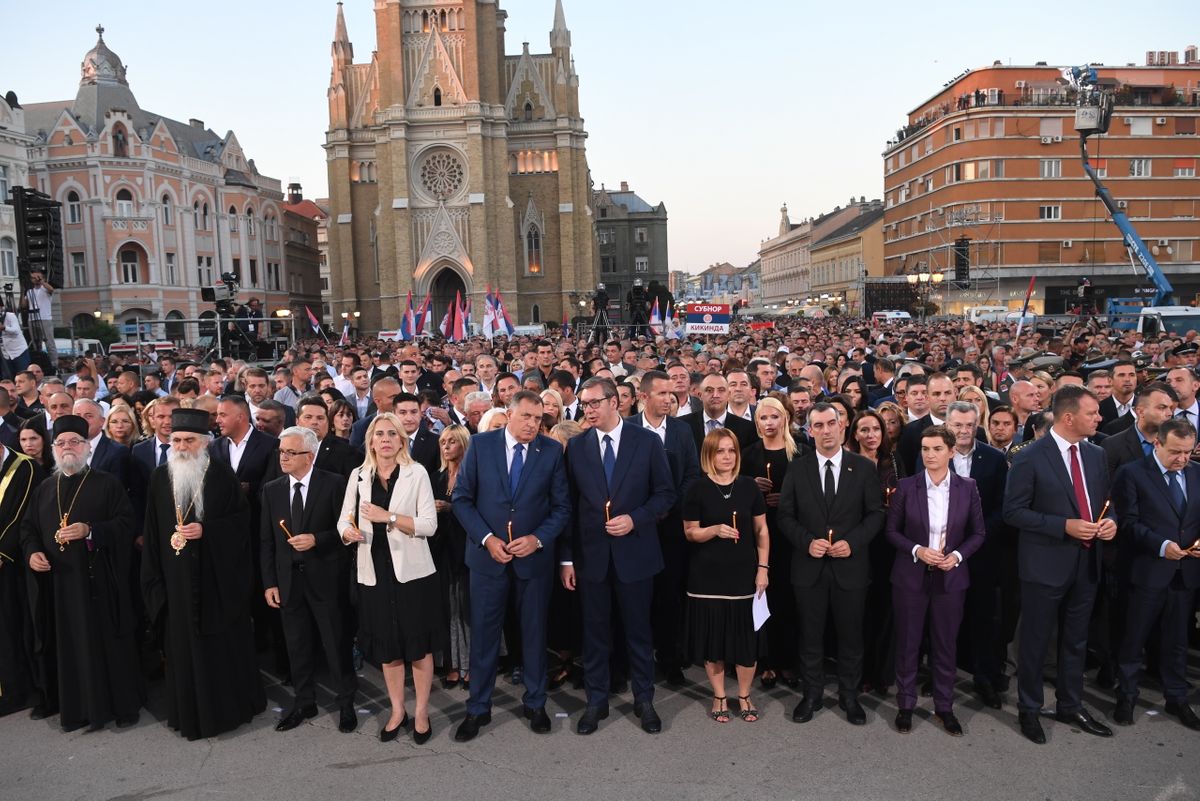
x,y
386,735
449,683
422,737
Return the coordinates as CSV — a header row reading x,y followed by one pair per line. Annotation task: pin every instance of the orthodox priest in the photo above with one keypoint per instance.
x,y
19,476
196,574
79,529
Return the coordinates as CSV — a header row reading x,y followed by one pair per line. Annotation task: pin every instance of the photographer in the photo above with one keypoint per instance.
x,y
600,313
37,300
13,347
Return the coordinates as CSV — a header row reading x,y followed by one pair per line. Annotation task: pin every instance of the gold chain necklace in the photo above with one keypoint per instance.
x,y
62,518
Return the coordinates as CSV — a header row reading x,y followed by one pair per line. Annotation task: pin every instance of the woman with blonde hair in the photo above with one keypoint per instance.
x,y
565,431
492,419
388,516
766,462
147,415
1045,387
121,425
893,420
552,409
448,556
977,398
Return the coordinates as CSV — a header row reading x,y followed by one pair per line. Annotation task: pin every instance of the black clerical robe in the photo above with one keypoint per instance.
x,y
203,596
95,626
18,478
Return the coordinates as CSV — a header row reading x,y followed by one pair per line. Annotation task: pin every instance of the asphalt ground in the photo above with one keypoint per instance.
x,y
693,758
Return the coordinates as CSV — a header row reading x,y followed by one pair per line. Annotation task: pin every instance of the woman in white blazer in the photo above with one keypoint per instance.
x,y
388,515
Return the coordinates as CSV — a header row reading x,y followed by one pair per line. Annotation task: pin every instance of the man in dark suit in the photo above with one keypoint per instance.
x,y
422,443
334,454
996,561
830,508
302,571
670,586
511,499
1158,503
941,394
1153,405
1120,402
106,455
150,453
383,395
681,386
621,484
9,436
1057,489
563,382
935,522
714,391
885,373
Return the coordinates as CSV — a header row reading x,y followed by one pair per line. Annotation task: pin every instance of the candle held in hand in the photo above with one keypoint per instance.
x,y
1104,510
607,511
829,536
737,536
510,531
283,525
769,472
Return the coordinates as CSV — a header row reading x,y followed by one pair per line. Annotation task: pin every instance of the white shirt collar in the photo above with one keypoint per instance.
x,y
304,480
245,438
1063,446
836,459
615,434
943,486
720,419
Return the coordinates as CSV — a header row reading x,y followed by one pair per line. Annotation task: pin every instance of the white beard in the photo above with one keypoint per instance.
x,y
187,480
71,464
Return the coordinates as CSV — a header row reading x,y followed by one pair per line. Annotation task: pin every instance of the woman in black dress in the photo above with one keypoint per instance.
x,y
388,515
448,556
725,521
766,462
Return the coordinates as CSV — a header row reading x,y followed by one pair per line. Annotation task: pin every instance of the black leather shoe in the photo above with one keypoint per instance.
x,y
42,711
294,718
854,711
950,723
1123,714
987,693
1185,714
1106,678
803,712
904,721
539,721
469,729
1084,720
347,719
651,723
591,719
422,737
386,735
1031,727
927,689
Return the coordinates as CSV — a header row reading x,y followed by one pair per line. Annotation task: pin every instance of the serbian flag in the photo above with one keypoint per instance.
x,y
407,331
566,329
312,320
669,324
345,340
656,319
502,318
458,326
489,314
447,326
466,316
422,315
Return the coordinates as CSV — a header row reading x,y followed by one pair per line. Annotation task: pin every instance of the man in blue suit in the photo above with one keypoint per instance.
x,y
1158,503
621,484
1057,490
511,499
107,456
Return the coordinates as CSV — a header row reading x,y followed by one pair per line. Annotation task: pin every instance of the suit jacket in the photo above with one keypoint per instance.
x,y
322,563
1114,427
1123,448
412,497
643,488
112,457
744,430
989,470
143,458
259,463
909,450
1038,501
427,453
681,455
856,516
1108,411
337,456
358,432
880,394
1147,517
485,504
9,436
908,526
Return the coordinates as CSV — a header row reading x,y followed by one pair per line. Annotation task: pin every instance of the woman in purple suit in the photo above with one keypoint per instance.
x,y
935,521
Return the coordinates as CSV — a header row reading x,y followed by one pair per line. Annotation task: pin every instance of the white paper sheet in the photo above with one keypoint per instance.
x,y
761,612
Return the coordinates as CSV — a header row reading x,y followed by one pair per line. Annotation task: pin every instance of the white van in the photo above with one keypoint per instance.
x,y
893,316
987,314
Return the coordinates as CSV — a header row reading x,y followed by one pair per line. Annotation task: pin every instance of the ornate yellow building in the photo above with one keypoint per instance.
x,y
453,166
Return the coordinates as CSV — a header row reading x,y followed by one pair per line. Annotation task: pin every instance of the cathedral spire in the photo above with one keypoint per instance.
x,y
560,36
343,51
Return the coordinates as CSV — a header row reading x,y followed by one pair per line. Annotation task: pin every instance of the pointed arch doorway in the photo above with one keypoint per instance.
x,y
446,285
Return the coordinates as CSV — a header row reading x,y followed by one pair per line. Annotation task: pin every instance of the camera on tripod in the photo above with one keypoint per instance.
x,y
223,295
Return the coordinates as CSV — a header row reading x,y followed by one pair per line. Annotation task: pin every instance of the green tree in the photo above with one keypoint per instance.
x,y
107,333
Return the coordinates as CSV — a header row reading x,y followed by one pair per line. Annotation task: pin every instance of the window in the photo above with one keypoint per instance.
x,y
8,257
437,96
957,134
250,220
603,212
78,270
74,208
1185,126
254,272
233,218
1049,252
968,171
1051,168
1049,212
1050,126
196,215
204,270
639,236
237,269
204,217
983,169
168,215
998,168
1100,166
528,111
3,183
605,235
1141,126
172,274
535,314
608,264
533,251
129,266
124,203
1185,168
1139,168
324,283
641,264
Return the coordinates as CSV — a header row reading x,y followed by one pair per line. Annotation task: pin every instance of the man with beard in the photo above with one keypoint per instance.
x,y
18,476
84,539
196,573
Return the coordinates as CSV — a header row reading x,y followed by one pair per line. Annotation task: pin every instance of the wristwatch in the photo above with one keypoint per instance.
x,y
539,542
392,520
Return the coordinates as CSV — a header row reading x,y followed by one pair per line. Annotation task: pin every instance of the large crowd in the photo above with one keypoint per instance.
x,y
877,507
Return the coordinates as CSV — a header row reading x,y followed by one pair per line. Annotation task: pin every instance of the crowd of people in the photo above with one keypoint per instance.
x,y
607,515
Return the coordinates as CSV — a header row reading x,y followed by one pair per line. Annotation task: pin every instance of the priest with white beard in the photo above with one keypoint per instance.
x,y
196,574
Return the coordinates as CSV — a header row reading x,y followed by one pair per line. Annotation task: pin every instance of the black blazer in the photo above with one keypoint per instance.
x,y
1108,412
425,452
681,455
260,456
744,430
9,436
322,563
112,457
1038,501
1147,517
989,469
1121,449
856,516
338,456
909,450
1122,423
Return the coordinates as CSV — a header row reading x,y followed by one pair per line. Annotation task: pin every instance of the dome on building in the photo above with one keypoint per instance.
x,y
101,65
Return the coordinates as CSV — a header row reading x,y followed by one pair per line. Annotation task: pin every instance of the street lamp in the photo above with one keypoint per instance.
x,y
924,282
97,313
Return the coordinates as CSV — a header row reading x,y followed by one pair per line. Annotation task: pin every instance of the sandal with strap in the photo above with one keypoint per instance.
x,y
748,713
720,715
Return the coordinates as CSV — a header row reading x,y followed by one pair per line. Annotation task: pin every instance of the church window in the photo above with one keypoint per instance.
x,y
204,217
250,220
437,96
233,219
459,14
528,111
533,251
167,213
425,21
443,20
124,203
196,215
535,314
442,175
74,209
355,171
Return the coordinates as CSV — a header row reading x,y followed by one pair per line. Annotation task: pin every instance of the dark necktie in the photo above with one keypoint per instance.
x,y
1147,447
162,452
830,489
610,460
1176,489
514,472
1085,511
713,425
297,507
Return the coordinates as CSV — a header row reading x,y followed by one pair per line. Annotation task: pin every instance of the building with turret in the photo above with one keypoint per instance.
x,y
454,167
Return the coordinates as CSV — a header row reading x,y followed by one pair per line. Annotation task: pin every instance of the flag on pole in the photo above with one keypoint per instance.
x,y
345,339
656,326
459,318
1025,308
566,329
489,314
407,330
669,324
502,319
422,316
467,321
312,320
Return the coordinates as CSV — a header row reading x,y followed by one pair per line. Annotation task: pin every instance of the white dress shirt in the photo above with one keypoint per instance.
x,y
836,459
93,442
1064,449
937,497
1123,408
616,439
1191,413
303,482
237,450
661,430
746,415
962,462
568,412
705,428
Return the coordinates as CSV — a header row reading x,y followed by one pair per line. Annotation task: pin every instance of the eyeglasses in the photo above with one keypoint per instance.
x,y
594,404
292,454
72,442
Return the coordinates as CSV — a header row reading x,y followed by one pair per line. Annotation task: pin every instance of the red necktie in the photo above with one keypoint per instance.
x,y
1085,511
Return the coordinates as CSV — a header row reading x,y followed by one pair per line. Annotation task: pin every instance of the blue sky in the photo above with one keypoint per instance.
x,y
722,110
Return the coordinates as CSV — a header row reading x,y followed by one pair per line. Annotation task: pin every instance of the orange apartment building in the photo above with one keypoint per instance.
x,y
994,158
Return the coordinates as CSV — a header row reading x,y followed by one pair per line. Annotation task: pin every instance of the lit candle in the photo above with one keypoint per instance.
x,y
829,536
738,535
510,531
1104,510
769,472
283,526
607,511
